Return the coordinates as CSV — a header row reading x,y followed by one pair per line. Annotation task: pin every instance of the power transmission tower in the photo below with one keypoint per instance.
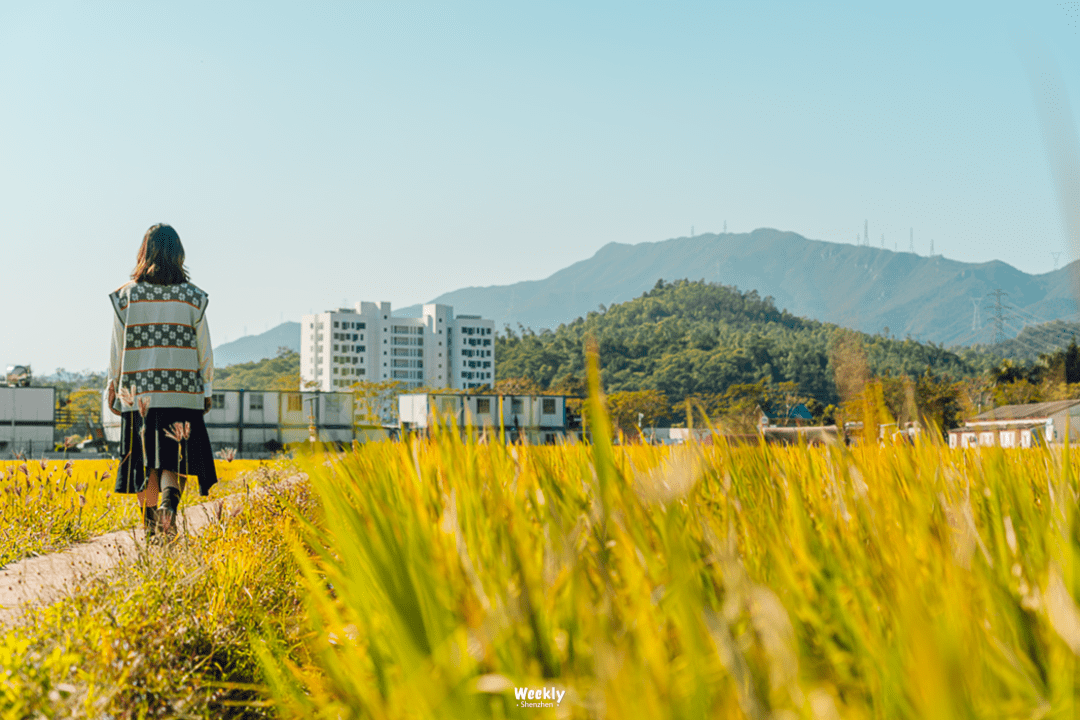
x,y
1056,256
725,227
866,232
911,242
999,314
975,314
882,241
931,247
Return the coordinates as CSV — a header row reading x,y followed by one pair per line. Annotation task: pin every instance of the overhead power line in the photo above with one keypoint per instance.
x,y
1030,342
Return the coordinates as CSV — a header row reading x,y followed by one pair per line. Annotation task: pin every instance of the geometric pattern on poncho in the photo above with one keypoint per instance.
x,y
184,292
144,292
177,381
159,335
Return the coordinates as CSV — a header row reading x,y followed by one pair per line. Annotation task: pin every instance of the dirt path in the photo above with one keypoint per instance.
x,y
46,578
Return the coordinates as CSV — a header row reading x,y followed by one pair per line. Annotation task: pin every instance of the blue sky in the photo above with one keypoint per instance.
x,y
314,154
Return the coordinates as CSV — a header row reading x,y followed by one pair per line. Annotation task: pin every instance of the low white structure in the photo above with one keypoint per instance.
x,y
366,342
1020,426
27,419
536,418
258,422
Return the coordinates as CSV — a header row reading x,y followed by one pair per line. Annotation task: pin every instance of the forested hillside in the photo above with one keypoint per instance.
x,y
277,373
697,338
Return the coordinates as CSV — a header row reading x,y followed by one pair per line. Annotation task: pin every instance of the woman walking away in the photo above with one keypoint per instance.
x,y
161,370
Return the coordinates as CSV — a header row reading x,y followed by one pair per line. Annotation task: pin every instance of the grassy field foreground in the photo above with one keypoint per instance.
x,y
883,582
439,578
47,505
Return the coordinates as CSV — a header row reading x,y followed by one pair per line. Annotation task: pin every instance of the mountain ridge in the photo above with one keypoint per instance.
x,y
861,287
869,289
251,348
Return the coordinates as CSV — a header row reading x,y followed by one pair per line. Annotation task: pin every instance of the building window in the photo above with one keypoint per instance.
x,y
217,401
516,407
483,406
336,324
256,401
548,406
294,403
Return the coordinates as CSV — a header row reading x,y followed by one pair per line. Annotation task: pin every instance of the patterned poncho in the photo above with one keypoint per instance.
x,y
158,329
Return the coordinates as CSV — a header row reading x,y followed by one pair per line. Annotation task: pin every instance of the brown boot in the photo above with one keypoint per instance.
x,y
150,523
170,501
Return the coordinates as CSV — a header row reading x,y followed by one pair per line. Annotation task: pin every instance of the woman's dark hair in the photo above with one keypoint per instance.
x,y
161,258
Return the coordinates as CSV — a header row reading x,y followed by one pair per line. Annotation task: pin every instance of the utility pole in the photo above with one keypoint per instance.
x,y
999,314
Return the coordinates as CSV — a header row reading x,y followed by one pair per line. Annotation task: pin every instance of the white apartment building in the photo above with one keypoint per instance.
x,y
366,342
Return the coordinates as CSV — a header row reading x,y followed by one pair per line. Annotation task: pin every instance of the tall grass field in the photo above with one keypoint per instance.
x,y
704,581
445,577
46,505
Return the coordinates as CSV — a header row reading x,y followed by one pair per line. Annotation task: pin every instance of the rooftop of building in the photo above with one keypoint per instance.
x,y
1029,411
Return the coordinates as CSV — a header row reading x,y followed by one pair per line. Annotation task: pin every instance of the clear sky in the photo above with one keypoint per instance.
x,y
315,153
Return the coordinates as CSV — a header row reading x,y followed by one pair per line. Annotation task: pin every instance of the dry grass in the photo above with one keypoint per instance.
x,y
168,635
46,506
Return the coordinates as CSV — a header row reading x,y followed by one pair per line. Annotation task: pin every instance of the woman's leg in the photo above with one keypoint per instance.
x,y
170,493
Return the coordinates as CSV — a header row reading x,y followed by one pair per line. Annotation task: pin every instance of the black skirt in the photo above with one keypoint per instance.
x,y
144,446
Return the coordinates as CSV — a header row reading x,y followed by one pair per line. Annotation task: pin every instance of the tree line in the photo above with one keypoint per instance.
x,y
728,353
